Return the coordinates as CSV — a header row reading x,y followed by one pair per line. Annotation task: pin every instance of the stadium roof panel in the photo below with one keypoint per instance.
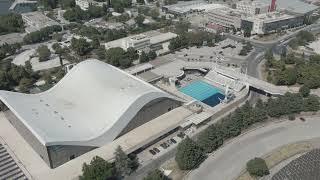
x,y
89,106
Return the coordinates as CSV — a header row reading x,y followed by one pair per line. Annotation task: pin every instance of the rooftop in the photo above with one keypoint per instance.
x,y
270,17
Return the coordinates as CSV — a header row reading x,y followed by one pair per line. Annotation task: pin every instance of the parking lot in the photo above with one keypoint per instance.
x,y
163,146
224,53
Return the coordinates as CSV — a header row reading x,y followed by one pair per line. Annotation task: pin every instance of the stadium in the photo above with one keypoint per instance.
x,y
94,104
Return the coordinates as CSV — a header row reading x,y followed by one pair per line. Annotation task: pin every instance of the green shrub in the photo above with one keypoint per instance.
x,y
257,167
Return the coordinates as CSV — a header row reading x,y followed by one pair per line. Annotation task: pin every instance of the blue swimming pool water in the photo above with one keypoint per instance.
x,y
203,92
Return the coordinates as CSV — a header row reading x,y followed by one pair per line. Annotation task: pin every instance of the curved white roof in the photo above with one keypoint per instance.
x,y
90,106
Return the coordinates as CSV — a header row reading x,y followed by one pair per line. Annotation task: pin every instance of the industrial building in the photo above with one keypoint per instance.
x,y
260,16
271,22
94,104
141,42
225,17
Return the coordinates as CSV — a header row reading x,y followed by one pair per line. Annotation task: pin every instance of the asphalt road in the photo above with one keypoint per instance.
x,y
228,161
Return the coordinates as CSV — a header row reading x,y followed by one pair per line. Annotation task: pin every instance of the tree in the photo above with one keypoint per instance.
x,y
155,175
44,53
154,13
139,20
65,4
95,43
101,53
304,91
25,84
119,5
182,26
257,167
11,23
144,57
122,162
132,54
80,46
311,103
98,169
118,57
269,55
189,155
152,55
169,2
28,67
210,139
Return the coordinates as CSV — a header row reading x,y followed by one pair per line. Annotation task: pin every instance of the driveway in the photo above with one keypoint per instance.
x,y
227,162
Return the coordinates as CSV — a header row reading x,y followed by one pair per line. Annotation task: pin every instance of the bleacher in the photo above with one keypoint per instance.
x,y
224,81
305,167
8,167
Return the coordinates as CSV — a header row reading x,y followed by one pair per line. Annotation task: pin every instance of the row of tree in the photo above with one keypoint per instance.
x,y
105,35
99,168
191,153
120,58
42,35
194,39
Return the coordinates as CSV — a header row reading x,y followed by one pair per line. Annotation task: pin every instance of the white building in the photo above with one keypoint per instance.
x,y
272,22
138,42
225,17
252,7
152,40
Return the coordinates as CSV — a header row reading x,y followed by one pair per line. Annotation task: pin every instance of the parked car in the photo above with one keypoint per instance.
x,y
156,150
169,141
172,140
181,135
302,119
164,145
152,152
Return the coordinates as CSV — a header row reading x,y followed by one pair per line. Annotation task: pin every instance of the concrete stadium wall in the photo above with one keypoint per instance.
x,y
151,111
61,154
28,136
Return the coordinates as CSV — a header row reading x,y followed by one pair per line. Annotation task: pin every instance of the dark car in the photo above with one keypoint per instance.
x,y
156,150
181,135
164,145
152,152
302,119
172,140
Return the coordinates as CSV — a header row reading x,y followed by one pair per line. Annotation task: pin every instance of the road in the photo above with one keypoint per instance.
x,y
228,161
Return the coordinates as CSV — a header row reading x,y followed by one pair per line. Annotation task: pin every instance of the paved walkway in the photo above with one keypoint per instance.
x,y
227,162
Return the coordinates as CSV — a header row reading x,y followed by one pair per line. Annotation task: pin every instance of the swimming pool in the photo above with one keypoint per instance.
x,y
203,92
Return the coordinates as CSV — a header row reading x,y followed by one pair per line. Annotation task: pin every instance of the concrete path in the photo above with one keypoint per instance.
x,y
227,162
